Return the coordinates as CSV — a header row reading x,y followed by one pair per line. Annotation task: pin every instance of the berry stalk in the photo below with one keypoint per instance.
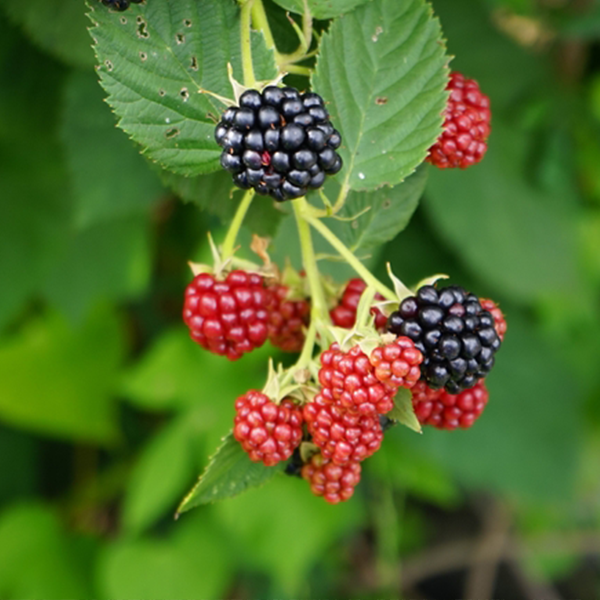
x,y
234,228
246,42
347,254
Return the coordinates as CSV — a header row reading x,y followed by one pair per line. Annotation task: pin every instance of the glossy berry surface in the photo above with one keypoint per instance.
x,y
268,432
397,364
348,381
119,5
344,436
466,126
287,320
442,410
279,142
455,334
228,317
344,314
333,482
499,319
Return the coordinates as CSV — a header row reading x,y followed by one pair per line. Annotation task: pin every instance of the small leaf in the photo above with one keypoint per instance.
x,y
321,9
229,473
383,70
155,62
389,213
403,410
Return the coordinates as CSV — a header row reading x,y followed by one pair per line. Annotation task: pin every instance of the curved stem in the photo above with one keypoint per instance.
x,y
319,310
229,242
246,42
364,273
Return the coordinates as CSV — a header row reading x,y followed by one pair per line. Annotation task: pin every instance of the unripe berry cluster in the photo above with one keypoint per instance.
x,y
466,126
279,142
344,314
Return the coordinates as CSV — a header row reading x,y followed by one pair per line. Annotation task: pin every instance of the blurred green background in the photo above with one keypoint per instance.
x,y
108,412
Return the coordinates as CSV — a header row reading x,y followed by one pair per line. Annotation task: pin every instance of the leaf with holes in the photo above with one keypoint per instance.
x,y
321,9
383,70
154,62
229,473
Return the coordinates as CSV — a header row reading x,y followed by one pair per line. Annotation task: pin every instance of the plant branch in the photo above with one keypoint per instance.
x,y
231,237
351,259
246,42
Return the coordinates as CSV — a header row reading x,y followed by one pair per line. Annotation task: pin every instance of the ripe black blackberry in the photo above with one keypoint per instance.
x,y
455,334
279,142
120,5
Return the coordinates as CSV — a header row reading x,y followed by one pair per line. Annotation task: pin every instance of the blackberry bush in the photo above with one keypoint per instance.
x,y
279,142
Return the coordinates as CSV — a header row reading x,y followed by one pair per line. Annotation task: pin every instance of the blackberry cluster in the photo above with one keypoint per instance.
x,y
455,334
334,482
120,5
279,142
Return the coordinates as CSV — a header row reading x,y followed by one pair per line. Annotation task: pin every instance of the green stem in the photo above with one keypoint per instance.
x,y
229,242
365,274
261,23
319,310
246,42
299,70
306,356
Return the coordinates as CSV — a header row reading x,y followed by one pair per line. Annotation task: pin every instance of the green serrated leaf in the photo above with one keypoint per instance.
x,y
229,473
321,9
383,70
155,60
403,410
390,210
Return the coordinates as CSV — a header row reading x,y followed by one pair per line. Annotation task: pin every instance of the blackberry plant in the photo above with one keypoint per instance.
x,y
344,144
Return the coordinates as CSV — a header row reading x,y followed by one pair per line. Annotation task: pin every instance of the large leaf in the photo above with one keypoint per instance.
x,y
512,234
390,210
57,26
59,381
160,476
383,70
155,60
229,473
321,9
109,177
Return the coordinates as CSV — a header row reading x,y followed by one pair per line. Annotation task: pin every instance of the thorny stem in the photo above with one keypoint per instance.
x,y
229,242
347,254
246,42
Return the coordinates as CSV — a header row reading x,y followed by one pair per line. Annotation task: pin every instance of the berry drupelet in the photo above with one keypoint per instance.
x,y
279,142
466,126
442,410
228,317
455,334
268,432
120,5
344,314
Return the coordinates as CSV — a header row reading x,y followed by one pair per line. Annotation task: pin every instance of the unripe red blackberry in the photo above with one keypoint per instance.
x,y
287,320
343,435
279,142
344,314
499,320
333,482
227,317
397,364
268,432
455,334
348,380
466,126
440,409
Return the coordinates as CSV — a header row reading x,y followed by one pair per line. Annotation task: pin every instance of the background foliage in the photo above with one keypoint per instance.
x,y
108,412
